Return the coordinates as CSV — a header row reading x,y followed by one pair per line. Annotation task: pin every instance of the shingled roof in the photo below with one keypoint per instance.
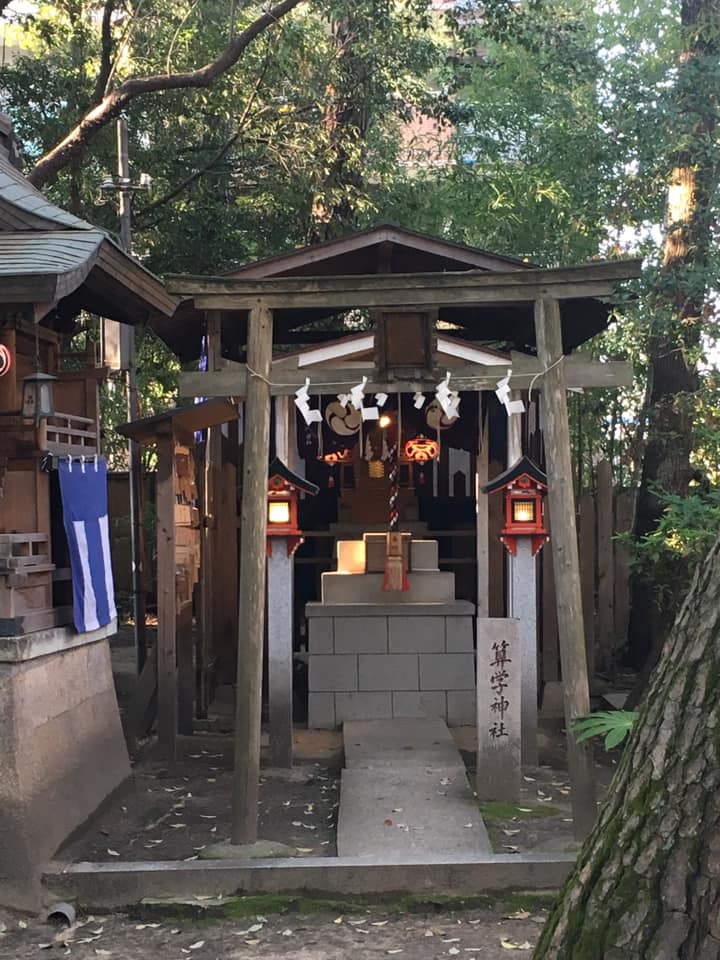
x,y
50,256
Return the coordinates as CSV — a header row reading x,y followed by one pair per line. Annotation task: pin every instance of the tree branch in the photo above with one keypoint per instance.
x,y
116,100
106,50
216,157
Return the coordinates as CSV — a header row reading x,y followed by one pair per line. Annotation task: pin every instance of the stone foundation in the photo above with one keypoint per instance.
x,y
62,750
377,661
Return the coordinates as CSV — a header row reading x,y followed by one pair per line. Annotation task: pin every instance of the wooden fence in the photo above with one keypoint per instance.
x,y
604,571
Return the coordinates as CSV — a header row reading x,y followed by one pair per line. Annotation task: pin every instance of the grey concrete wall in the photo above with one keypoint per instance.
x,y
373,662
62,752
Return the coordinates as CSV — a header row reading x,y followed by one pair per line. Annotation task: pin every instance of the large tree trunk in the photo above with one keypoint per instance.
x,y
678,305
345,120
647,882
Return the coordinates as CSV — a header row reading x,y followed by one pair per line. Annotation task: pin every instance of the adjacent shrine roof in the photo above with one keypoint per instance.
x,y
51,257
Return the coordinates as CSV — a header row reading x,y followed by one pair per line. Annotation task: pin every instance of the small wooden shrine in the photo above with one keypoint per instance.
x,y
62,749
451,339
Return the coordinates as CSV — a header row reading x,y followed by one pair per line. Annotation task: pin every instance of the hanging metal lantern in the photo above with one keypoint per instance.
x,y
38,400
376,469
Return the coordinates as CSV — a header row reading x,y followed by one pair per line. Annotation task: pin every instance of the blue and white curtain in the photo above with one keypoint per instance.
x,y
83,487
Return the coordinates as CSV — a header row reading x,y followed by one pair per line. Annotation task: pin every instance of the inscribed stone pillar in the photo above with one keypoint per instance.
x,y
280,652
524,610
498,709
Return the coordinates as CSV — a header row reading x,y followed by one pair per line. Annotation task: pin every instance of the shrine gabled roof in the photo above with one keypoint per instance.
x,y
398,249
523,466
279,469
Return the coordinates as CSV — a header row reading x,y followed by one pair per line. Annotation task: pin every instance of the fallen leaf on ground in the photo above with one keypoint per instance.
x,y
196,945
338,920
113,853
379,923
518,915
510,833
511,945
388,822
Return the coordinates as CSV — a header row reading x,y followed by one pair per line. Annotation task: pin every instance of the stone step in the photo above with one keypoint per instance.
x,y
426,586
405,793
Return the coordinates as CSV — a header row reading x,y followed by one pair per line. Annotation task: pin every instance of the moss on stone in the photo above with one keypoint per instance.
x,y
306,903
508,811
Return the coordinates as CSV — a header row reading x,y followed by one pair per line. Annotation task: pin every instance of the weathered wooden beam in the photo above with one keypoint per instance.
x,y
404,289
566,564
209,528
349,299
231,381
166,604
253,566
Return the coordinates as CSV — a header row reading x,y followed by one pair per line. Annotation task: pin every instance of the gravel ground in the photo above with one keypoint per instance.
x,y
488,933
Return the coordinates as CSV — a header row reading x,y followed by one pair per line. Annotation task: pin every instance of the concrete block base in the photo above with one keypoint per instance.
x,y
62,751
380,661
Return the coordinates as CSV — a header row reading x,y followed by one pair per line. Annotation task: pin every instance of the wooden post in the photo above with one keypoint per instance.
x,y
211,465
253,570
566,564
606,568
482,521
624,512
587,573
167,623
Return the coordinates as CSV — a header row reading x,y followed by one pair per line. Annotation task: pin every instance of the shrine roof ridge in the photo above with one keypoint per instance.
x,y
522,466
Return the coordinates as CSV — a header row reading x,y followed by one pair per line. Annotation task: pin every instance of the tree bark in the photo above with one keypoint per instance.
x,y
114,102
678,305
647,883
346,120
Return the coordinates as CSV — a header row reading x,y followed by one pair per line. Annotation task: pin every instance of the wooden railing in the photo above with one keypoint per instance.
x,y
65,434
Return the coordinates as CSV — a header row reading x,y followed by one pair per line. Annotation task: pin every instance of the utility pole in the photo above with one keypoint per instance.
x,y
124,188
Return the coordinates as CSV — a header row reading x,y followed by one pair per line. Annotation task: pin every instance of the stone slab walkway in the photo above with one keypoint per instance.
x,y
405,793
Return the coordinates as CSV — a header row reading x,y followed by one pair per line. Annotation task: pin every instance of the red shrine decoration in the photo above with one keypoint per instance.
x,y
284,487
338,456
5,359
421,449
524,486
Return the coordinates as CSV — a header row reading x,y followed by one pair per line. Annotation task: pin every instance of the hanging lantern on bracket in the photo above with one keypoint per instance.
x,y
38,402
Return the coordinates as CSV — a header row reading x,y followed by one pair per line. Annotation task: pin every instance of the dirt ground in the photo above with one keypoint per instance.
x,y
168,814
488,933
172,815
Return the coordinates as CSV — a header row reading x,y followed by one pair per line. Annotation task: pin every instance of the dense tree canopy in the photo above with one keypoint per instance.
x,y
549,129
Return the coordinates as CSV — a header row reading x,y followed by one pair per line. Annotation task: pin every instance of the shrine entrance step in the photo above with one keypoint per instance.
x,y
405,793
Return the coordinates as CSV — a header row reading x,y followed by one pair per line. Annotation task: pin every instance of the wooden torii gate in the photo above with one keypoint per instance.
x,y
545,289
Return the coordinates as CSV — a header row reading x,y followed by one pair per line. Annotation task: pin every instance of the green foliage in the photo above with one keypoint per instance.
x,y
687,529
613,725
